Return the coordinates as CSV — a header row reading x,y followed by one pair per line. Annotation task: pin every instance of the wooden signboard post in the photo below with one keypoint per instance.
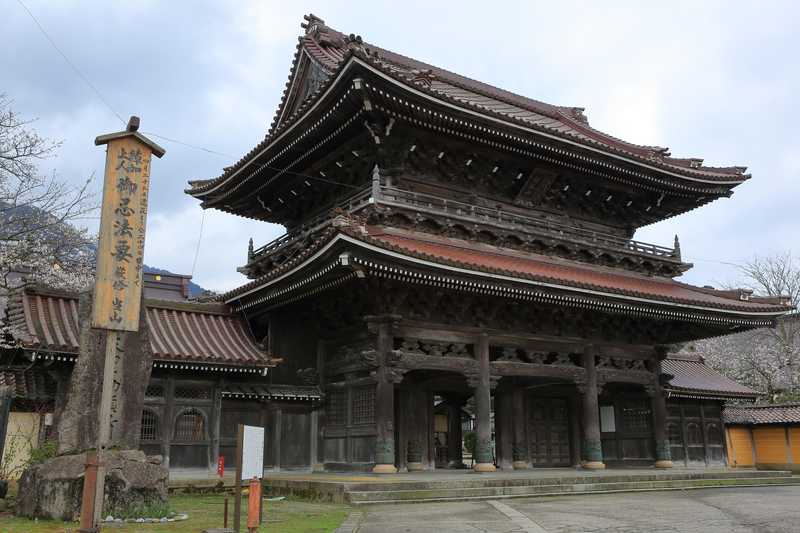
x,y
118,282
249,465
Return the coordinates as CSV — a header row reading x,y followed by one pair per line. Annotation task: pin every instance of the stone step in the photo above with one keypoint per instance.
x,y
598,485
483,481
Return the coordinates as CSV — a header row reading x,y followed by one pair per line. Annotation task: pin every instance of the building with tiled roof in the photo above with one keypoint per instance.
x,y
208,370
764,436
447,239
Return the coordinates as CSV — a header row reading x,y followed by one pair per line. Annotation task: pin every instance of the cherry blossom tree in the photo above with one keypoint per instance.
x,y
766,359
38,241
37,210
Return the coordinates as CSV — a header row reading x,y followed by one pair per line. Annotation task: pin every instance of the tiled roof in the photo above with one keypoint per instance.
x,y
27,383
692,378
181,332
330,49
762,414
271,392
572,274
481,259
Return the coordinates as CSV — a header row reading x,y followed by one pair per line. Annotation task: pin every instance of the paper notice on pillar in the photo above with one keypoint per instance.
x,y
252,452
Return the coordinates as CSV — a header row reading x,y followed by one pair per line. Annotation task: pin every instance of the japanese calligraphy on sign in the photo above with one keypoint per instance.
x,y
120,254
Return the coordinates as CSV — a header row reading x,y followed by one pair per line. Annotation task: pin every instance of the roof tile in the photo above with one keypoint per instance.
x,y
179,332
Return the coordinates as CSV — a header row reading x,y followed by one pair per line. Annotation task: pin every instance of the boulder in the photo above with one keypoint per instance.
x,y
53,489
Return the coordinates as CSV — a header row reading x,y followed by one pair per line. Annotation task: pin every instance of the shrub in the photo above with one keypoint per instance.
x,y
46,450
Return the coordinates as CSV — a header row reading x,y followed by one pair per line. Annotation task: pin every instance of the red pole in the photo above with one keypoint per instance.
x,y
89,487
253,505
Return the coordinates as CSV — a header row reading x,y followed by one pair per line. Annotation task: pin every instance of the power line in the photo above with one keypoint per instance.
x,y
199,239
70,63
210,151
164,137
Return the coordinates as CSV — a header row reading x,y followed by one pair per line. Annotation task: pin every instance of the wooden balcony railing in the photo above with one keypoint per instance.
x,y
436,205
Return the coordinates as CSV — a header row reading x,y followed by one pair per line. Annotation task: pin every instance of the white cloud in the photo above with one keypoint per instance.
x,y
711,79
172,242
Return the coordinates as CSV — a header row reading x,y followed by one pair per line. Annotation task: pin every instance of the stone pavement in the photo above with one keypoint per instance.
x,y
733,510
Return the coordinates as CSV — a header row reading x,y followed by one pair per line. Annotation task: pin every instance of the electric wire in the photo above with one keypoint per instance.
x,y
199,239
100,96
70,63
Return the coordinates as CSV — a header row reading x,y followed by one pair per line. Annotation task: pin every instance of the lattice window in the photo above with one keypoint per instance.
x,y
364,405
337,408
694,435
154,391
636,416
674,433
150,428
192,393
714,434
190,426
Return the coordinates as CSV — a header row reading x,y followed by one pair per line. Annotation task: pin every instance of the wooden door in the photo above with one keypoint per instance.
x,y
741,444
548,432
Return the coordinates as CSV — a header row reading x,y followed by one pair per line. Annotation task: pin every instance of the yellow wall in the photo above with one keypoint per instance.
x,y
770,444
741,446
22,435
794,438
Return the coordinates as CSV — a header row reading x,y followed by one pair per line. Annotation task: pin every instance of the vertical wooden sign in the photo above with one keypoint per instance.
x,y
118,285
120,254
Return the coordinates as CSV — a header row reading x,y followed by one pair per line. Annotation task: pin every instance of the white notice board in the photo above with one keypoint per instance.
x,y
252,452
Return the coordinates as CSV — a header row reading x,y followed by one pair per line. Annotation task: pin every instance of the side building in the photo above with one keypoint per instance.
x,y
209,374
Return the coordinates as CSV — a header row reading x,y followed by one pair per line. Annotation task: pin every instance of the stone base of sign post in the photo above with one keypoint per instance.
x,y
53,488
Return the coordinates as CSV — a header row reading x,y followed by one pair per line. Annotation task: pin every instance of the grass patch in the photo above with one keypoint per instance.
x,y
205,511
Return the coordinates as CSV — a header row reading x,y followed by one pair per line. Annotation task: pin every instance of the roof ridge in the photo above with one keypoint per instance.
x,y
766,406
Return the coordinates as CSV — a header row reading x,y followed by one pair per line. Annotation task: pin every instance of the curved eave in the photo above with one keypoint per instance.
x,y
700,394
503,282
177,364
297,121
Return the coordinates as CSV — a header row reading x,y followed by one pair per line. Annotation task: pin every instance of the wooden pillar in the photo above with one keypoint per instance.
x,y
455,436
592,444
429,431
483,405
504,427
659,406
313,439
216,417
169,418
318,412
521,457
574,430
403,413
417,441
277,422
384,397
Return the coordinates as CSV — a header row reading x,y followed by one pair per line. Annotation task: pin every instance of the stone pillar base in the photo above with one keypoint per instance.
x,y
484,467
384,469
415,467
664,464
594,465
520,465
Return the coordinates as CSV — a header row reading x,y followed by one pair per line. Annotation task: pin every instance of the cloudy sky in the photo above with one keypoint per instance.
x,y
718,80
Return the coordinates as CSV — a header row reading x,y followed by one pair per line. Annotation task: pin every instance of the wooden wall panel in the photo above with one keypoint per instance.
x,y
741,454
794,439
770,445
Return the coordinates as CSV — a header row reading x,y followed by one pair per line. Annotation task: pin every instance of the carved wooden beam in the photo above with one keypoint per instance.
x,y
535,187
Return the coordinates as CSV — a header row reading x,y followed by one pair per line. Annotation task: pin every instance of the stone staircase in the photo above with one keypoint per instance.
x,y
477,488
